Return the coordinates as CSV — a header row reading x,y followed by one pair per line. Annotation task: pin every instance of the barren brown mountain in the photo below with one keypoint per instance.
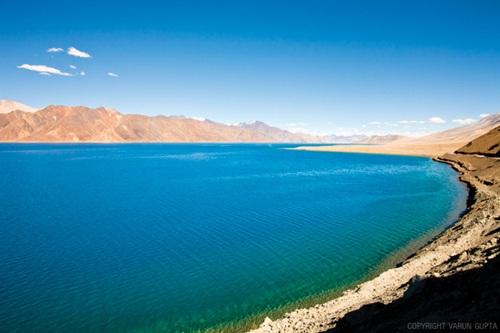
x,y
82,124
277,134
487,144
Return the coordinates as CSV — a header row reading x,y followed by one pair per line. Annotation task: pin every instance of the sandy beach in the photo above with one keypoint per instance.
x,y
467,246
427,150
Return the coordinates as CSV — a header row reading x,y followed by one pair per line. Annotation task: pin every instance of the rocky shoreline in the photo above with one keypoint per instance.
x,y
468,247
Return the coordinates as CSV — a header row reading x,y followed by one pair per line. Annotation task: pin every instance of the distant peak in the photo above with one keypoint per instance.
x,y
494,117
7,106
255,123
111,109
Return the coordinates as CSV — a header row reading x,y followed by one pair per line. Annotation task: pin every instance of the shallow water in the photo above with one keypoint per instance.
x,y
187,237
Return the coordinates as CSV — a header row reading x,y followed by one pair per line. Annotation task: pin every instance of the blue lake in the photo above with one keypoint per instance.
x,y
191,237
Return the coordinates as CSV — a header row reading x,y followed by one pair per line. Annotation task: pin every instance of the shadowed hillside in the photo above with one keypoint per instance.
x,y
487,144
467,298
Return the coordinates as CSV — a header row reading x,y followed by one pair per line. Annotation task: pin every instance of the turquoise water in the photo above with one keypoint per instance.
x,y
171,238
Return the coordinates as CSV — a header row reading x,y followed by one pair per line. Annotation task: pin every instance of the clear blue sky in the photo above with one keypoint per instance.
x,y
326,66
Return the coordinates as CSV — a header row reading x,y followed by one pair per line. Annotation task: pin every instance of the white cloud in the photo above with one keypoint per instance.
x,y
82,73
72,66
408,122
436,120
43,70
412,132
483,115
73,51
55,50
44,74
375,123
465,121
113,74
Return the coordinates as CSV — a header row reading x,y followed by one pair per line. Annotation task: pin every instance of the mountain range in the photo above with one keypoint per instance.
x,y
56,123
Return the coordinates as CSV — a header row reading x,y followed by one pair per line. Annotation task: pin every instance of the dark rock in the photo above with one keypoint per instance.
x,y
468,297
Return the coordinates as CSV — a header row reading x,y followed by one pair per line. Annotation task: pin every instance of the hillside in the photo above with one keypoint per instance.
x,y
432,145
487,144
459,135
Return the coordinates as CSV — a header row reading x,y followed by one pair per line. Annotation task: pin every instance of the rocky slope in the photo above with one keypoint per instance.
x,y
487,144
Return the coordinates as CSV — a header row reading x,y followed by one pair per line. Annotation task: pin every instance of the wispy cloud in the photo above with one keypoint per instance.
x,y
407,122
72,66
113,74
73,51
436,120
483,115
82,73
55,50
392,127
43,70
465,121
